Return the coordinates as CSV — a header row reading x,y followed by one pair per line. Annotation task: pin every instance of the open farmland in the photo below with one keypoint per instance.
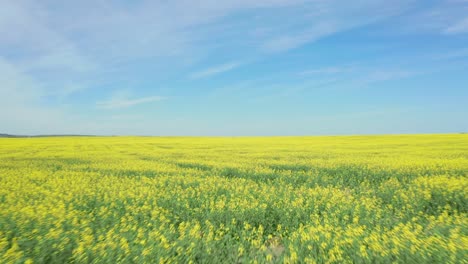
x,y
343,199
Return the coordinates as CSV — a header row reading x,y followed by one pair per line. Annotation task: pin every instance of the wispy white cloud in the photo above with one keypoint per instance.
x,y
126,117
129,31
328,70
28,27
335,83
20,101
289,41
441,17
453,54
459,27
215,70
383,75
386,75
116,102
320,19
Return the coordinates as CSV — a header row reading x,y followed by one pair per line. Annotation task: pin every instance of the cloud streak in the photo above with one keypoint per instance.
x,y
327,71
459,27
452,54
117,103
215,70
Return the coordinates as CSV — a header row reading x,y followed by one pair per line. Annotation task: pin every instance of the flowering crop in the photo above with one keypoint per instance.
x,y
356,199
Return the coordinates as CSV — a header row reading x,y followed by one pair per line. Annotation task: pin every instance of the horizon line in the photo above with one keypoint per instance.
x,y
6,135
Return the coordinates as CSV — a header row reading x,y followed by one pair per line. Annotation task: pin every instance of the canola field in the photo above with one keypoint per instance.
x,y
337,199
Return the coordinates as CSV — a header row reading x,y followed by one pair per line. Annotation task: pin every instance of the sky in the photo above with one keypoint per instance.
x,y
233,67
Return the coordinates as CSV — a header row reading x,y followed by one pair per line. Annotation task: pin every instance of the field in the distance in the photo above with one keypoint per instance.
x,y
361,199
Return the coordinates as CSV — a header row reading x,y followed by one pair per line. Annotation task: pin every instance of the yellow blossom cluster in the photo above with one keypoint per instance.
x,y
340,199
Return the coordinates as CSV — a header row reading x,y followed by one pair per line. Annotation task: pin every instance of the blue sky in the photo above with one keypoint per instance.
x,y
265,67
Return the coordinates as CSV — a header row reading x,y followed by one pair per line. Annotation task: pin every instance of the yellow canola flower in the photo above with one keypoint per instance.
x,y
345,199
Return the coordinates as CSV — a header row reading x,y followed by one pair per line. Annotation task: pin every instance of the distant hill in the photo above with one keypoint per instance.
x,y
23,136
10,136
